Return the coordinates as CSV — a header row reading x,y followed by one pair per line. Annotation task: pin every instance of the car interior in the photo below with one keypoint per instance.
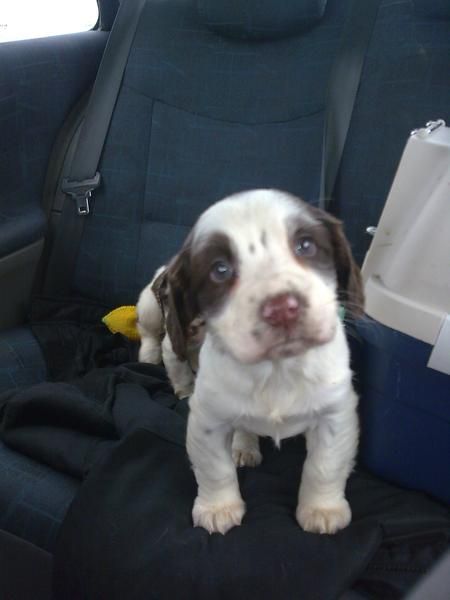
x,y
112,142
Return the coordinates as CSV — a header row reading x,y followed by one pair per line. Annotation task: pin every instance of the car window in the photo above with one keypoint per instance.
x,y
25,19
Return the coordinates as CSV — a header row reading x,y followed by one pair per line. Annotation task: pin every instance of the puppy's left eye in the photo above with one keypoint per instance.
x,y
221,271
305,246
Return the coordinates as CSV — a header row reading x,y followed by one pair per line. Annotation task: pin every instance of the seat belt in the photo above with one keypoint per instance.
x,y
83,177
342,89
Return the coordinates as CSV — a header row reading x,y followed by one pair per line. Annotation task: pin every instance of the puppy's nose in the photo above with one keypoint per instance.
x,y
281,310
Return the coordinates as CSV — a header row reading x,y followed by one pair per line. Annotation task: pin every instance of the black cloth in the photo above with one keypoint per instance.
x,y
128,533
25,570
131,527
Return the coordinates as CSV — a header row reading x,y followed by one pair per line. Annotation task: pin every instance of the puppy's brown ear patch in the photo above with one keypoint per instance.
x,y
349,281
159,288
181,305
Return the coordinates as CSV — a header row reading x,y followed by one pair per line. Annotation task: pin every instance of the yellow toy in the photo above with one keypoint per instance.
x,y
123,320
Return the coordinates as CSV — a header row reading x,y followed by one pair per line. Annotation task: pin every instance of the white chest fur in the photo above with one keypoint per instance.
x,y
273,398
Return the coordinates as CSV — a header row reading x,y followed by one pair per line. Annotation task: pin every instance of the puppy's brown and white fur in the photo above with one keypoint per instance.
x,y
161,337
267,272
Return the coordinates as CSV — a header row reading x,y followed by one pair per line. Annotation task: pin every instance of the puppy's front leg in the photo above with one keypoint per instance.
x,y
322,506
179,372
219,505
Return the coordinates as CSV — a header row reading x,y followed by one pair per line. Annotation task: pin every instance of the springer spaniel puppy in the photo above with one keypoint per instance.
x,y
267,273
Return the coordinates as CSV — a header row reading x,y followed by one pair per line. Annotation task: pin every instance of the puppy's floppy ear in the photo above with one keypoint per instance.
x,y
181,305
159,286
349,281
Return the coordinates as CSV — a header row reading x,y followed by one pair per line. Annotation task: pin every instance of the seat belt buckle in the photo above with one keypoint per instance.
x,y
81,192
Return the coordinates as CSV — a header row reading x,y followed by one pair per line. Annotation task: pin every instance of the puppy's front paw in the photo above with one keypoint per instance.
x,y
217,518
246,457
324,519
245,449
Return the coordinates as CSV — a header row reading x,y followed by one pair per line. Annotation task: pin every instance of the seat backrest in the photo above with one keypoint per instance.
x,y
218,96
224,95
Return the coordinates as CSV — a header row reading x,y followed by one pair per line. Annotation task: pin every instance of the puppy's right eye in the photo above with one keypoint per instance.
x,y
305,246
221,271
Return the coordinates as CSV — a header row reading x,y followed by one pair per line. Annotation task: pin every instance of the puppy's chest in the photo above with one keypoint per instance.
x,y
281,405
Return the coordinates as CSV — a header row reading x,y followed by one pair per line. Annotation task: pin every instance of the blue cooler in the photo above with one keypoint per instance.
x,y
404,409
403,354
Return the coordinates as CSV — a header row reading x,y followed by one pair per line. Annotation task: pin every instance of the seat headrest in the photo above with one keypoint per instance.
x,y
260,19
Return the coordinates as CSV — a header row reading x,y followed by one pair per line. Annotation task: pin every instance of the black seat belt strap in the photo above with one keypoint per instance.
x,y
83,176
342,89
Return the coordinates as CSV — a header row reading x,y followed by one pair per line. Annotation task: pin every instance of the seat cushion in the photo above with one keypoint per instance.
x,y
21,359
33,498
